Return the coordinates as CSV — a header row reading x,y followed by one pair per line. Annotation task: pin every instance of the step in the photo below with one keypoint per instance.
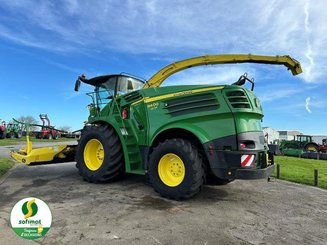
x,y
138,171
133,153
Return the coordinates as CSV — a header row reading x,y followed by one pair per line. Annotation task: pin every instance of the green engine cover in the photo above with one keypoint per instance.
x,y
207,112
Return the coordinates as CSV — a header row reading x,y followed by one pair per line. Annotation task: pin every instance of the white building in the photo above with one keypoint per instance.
x,y
288,135
272,135
318,138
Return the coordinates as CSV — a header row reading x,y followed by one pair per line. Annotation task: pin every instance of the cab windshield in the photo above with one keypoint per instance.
x,y
122,84
116,86
303,138
128,84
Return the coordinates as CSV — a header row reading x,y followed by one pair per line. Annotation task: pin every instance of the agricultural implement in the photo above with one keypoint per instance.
x,y
299,145
2,130
180,136
14,130
323,146
10,130
47,131
28,154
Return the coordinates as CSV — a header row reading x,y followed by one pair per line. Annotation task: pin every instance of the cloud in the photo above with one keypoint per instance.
x,y
317,102
278,93
224,74
309,54
307,104
172,28
24,97
63,66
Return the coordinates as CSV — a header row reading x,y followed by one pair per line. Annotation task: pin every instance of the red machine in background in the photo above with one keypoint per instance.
x,y
47,131
323,147
2,130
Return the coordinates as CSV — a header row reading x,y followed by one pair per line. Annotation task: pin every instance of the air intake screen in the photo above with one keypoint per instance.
x,y
238,99
192,104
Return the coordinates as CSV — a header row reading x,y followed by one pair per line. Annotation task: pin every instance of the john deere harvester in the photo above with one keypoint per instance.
x,y
179,135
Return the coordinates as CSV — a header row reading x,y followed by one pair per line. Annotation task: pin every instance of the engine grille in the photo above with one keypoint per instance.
x,y
191,104
238,99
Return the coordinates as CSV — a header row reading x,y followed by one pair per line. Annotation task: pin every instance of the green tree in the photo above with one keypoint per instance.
x,y
65,128
29,120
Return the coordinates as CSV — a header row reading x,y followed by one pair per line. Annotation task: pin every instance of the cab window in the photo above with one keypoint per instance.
x,y
128,84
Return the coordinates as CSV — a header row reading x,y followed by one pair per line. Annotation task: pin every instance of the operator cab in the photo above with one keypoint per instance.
x,y
117,85
108,87
303,138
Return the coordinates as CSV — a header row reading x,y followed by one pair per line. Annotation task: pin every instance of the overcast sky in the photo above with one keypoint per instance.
x,y
45,45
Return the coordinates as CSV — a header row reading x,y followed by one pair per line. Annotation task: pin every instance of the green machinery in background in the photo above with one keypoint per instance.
x,y
14,130
299,145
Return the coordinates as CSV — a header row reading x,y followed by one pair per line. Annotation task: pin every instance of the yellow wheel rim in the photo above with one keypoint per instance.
x,y
171,170
93,154
312,148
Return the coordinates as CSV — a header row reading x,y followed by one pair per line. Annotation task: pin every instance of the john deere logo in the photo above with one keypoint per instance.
x,y
31,218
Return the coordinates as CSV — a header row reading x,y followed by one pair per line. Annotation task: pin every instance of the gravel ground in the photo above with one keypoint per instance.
x,y
130,212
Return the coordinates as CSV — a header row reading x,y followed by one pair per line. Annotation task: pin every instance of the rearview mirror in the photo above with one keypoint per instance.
x,y
78,81
240,81
77,84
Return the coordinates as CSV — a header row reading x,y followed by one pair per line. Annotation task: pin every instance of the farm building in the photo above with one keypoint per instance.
x,y
272,135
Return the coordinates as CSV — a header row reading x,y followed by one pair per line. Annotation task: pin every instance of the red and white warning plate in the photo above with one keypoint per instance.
x,y
247,160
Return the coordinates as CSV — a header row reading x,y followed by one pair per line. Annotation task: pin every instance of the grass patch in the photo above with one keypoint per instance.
x,y
5,165
4,142
300,170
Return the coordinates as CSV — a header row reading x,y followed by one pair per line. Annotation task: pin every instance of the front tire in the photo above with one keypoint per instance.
x,y
10,135
19,134
2,134
99,155
175,169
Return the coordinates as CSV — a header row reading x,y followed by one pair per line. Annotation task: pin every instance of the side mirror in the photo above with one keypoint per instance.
x,y
77,85
78,81
240,81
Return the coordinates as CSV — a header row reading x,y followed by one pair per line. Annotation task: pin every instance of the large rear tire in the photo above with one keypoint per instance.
x,y
56,136
99,155
176,170
39,135
10,135
2,134
311,147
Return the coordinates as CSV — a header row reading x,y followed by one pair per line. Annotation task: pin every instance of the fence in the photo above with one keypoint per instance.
x,y
315,175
